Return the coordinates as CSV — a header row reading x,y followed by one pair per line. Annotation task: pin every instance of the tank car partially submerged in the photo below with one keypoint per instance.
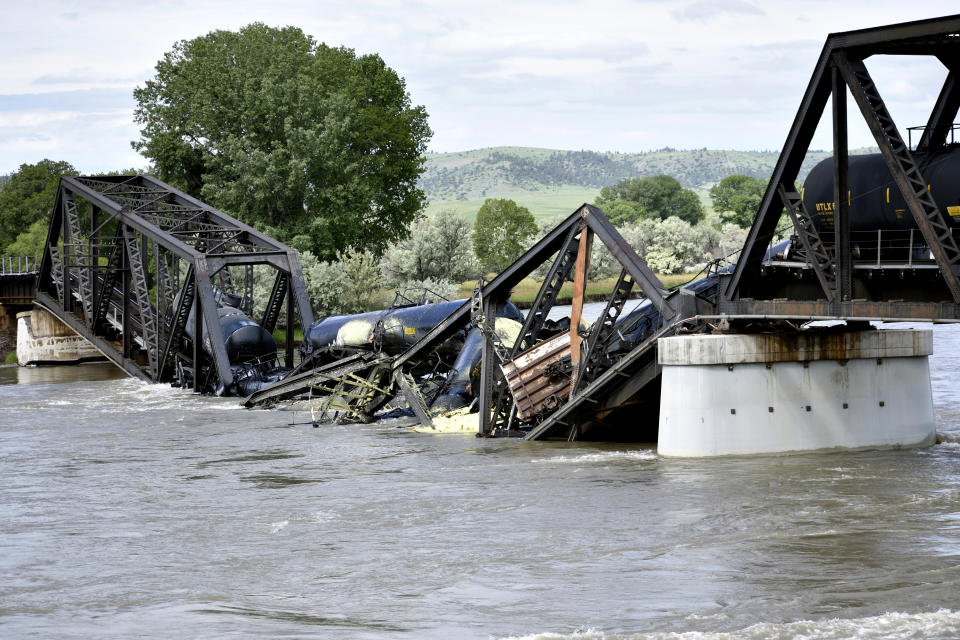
x,y
251,349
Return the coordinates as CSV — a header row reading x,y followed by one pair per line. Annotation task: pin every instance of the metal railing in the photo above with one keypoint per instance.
x,y
13,265
950,138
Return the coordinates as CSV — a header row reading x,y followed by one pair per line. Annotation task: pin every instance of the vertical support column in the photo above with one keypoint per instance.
x,y
288,354
197,336
93,250
841,188
66,236
127,338
488,363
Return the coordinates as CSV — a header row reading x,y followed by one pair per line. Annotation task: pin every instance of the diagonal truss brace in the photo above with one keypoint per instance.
x,y
602,330
148,321
816,252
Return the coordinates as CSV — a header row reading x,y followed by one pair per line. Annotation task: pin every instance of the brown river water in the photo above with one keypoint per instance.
x,y
141,511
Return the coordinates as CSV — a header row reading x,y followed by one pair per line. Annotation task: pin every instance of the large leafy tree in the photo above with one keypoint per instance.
x,y
652,197
737,198
313,144
27,199
501,232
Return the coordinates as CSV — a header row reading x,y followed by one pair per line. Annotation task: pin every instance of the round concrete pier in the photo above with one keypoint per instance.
x,y
746,394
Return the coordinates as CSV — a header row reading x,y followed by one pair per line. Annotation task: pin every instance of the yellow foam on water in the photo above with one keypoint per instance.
x,y
459,421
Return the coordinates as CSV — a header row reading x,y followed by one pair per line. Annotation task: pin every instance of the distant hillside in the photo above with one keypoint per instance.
x,y
549,181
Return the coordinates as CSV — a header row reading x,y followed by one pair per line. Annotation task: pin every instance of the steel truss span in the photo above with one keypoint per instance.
x,y
145,272
831,276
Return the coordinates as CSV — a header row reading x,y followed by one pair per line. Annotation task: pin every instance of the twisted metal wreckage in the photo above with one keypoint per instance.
x,y
537,378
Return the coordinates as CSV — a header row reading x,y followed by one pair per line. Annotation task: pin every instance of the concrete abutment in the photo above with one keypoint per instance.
x,y
43,339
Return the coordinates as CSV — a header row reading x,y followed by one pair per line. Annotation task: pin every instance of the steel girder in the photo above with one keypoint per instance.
x,y
840,69
150,253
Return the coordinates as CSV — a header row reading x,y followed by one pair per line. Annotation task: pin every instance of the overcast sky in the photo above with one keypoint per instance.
x,y
604,75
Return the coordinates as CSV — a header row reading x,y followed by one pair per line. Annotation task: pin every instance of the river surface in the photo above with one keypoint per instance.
x,y
136,511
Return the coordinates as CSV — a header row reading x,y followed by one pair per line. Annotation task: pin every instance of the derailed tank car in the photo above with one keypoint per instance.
x,y
251,350
451,370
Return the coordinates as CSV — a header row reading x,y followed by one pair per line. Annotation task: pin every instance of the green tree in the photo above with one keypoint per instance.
x,y
501,232
28,198
30,242
438,248
658,197
313,144
363,280
737,198
672,245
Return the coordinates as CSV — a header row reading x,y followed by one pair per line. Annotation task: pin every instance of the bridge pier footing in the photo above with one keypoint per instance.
x,y
737,394
43,339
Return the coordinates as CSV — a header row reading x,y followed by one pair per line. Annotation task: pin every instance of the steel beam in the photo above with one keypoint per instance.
x,y
944,111
841,188
810,239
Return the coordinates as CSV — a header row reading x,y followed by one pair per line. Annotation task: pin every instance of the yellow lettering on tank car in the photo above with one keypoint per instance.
x,y
410,331
953,211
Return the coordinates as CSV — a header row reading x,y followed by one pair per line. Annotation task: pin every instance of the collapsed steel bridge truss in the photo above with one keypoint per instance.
x,y
360,384
840,71
130,260
594,382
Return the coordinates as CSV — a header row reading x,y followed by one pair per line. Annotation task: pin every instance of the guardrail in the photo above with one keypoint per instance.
x,y
12,265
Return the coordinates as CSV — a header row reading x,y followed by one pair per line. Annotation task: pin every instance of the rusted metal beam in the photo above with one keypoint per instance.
x,y
579,291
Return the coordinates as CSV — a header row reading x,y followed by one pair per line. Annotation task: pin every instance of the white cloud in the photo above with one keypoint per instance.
x,y
708,10
607,74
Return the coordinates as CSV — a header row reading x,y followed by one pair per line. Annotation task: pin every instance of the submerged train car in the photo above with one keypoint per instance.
x,y
251,349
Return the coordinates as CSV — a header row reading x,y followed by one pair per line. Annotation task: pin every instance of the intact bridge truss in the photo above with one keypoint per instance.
x,y
129,261
831,282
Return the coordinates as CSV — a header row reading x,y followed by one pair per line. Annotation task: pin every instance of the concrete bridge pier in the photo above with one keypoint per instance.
x,y
735,394
43,339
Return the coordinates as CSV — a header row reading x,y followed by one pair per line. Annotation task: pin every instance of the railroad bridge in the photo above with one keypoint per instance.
x,y
18,275
141,270
844,261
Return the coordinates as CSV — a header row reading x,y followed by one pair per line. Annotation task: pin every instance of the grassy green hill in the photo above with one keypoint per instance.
x,y
551,182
